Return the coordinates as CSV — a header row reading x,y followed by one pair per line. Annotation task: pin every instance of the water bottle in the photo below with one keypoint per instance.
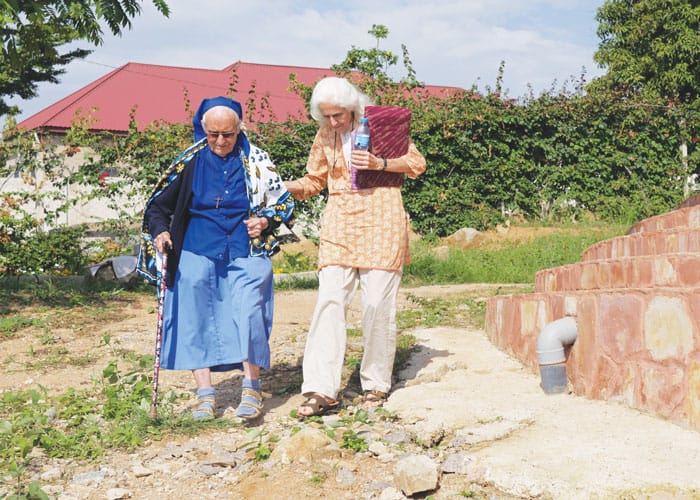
x,y
360,143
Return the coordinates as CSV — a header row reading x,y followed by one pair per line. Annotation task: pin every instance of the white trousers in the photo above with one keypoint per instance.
x,y
325,344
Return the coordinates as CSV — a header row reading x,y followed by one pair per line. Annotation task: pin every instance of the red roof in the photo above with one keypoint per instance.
x,y
159,93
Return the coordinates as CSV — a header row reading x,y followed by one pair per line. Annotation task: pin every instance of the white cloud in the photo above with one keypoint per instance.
x,y
451,42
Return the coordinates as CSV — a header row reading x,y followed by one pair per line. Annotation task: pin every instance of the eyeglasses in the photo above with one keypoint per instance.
x,y
225,135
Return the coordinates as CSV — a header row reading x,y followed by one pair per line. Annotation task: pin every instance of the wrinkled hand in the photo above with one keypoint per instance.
x,y
364,160
163,242
256,225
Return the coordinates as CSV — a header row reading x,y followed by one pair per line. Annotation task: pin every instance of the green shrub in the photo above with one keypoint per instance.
x,y
30,250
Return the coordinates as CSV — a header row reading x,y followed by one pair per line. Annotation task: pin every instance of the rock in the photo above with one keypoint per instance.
x,y
427,433
391,494
462,237
51,413
118,493
397,436
416,474
208,470
345,477
306,446
53,490
490,431
378,448
223,460
457,463
88,477
50,475
141,471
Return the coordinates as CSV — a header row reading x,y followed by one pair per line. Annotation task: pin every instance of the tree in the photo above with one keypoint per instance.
x,y
650,46
35,34
374,65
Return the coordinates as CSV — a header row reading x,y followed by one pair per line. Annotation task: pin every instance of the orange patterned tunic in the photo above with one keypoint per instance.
x,y
367,228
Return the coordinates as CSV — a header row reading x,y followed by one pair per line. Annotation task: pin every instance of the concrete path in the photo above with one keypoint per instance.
x,y
532,444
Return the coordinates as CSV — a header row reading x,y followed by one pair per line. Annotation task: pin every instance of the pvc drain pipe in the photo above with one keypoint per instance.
x,y
550,353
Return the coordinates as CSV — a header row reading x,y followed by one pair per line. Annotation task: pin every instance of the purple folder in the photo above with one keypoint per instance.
x,y
389,128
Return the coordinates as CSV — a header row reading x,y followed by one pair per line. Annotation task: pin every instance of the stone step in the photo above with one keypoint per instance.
x,y
637,346
677,240
686,217
662,271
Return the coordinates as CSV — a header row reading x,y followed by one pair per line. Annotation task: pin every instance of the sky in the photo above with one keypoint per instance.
x,y
545,45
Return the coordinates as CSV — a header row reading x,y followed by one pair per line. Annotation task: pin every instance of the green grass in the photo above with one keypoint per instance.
x,y
297,283
12,324
509,263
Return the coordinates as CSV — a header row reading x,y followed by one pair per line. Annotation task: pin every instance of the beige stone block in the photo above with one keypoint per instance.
x,y
693,396
694,217
668,329
664,272
528,315
499,314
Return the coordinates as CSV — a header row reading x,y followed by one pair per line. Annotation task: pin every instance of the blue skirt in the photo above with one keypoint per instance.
x,y
218,314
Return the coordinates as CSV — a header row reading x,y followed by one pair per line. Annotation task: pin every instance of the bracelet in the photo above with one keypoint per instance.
x,y
385,164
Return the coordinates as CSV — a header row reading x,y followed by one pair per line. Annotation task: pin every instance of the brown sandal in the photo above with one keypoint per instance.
x,y
318,404
373,399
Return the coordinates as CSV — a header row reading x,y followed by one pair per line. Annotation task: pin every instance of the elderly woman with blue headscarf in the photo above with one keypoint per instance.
x,y
214,212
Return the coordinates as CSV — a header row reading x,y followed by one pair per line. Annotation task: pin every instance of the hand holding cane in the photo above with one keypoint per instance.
x,y
159,336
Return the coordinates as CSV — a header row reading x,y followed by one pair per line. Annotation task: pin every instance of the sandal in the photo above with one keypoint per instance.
x,y
373,399
318,404
205,410
251,404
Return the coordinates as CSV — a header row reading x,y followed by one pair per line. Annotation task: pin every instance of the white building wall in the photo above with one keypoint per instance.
x,y
83,210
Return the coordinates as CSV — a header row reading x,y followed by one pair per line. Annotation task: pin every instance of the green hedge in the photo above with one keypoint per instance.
x,y
551,158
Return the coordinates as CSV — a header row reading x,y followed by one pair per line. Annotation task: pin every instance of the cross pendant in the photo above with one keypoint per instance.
x,y
218,199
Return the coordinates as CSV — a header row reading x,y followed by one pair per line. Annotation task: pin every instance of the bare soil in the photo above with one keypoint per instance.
x,y
73,354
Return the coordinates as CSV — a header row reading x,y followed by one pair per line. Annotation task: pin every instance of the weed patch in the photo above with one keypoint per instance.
x,y
12,324
508,262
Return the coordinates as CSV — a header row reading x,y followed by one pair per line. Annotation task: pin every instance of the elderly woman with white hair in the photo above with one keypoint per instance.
x,y
363,242
215,212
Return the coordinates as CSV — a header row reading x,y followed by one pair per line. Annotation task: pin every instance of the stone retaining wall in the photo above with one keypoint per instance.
x,y
636,299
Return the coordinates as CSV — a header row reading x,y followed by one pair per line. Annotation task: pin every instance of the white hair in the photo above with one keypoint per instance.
x,y
338,92
221,110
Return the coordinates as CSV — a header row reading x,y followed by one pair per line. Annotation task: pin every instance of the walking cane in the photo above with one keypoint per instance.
x,y
159,337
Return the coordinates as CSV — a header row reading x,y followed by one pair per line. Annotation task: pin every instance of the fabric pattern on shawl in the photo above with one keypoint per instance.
x,y
149,260
267,197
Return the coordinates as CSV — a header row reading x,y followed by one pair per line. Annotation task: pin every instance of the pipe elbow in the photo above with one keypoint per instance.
x,y
553,338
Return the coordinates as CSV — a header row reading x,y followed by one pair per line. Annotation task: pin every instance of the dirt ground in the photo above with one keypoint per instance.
x,y
76,355
192,467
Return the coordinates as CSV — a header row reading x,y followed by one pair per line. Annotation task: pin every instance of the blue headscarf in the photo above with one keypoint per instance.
x,y
206,105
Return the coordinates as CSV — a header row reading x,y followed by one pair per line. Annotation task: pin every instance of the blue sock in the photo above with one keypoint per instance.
x,y
205,392
251,405
251,384
205,409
